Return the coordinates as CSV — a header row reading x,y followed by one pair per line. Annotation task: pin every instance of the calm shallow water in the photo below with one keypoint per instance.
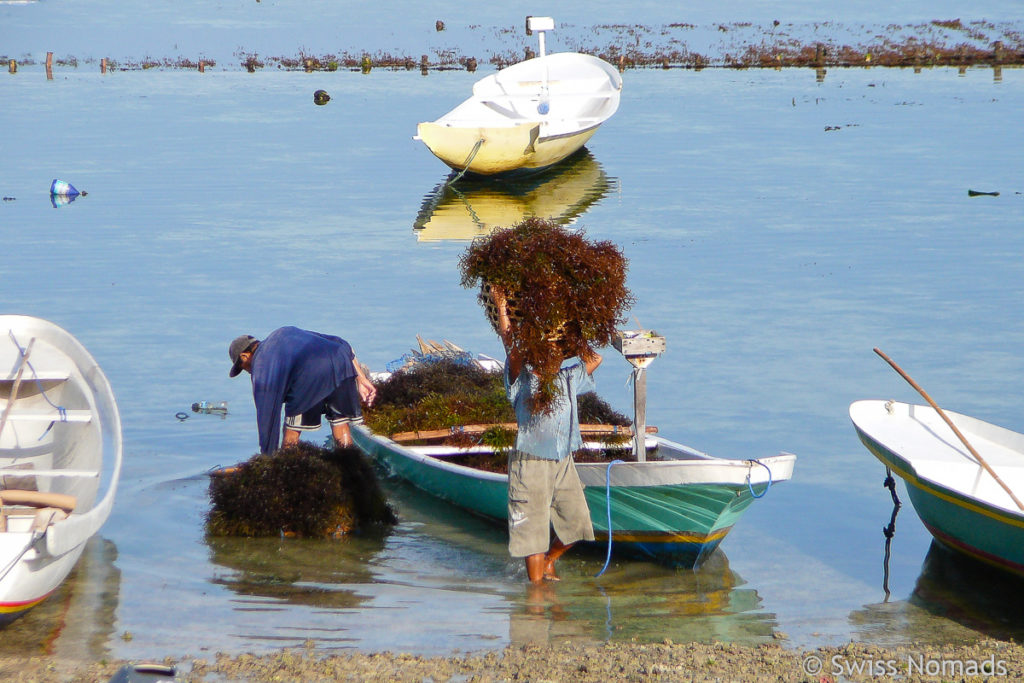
x,y
778,228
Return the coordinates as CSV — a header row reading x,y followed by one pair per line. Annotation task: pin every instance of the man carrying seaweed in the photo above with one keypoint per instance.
x,y
552,296
544,489
312,374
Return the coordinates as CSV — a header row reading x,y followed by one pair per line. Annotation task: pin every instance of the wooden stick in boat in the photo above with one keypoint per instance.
x,y
942,414
585,430
17,384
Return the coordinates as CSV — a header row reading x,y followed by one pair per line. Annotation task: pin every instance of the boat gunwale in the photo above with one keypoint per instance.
x,y
611,91
905,469
754,476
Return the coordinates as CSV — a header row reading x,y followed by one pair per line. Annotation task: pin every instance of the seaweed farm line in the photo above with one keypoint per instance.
x,y
678,45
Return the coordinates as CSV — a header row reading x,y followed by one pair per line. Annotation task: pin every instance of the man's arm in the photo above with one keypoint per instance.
x,y
515,359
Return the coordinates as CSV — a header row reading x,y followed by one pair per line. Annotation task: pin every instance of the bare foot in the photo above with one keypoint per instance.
x,y
549,571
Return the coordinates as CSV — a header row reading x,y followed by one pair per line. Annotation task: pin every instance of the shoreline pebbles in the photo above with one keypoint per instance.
x,y
984,660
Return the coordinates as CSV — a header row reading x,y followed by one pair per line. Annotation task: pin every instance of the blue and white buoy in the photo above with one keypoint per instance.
x,y
60,188
63,193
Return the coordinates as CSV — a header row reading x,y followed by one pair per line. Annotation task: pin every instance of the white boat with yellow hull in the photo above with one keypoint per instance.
x,y
528,116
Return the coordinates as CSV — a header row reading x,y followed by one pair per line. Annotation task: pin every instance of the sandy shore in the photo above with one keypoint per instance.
x,y
983,661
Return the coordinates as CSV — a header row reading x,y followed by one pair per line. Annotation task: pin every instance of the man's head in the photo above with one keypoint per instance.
x,y
240,352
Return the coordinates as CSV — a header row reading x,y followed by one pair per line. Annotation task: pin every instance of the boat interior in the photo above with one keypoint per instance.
x,y
49,445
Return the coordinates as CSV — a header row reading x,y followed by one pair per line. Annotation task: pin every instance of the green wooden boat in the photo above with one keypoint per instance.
x,y
961,505
677,506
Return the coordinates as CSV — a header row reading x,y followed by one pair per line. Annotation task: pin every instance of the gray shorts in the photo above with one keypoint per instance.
x,y
545,494
340,407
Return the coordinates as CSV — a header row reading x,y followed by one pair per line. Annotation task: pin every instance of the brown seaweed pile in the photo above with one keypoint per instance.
x,y
303,491
566,294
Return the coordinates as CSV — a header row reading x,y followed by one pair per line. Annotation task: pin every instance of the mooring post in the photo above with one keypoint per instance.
x,y
640,414
103,65
49,66
640,347
12,66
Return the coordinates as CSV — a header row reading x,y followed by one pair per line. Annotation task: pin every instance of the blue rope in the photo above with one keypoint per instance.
x,y
62,412
751,486
608,499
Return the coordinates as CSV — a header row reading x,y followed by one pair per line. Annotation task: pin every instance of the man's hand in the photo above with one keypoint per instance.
x,y
591,359
367,392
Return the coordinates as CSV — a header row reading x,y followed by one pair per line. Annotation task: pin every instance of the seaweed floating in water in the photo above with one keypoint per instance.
x,y
301,490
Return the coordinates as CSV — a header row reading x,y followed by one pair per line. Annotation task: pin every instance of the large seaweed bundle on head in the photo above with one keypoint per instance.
x,y
301,490
566,294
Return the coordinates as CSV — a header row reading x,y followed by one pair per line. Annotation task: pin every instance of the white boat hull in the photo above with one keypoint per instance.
x,y
60,453
958,501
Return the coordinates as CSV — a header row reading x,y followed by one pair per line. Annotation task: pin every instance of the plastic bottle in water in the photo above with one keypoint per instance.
x,y
211,407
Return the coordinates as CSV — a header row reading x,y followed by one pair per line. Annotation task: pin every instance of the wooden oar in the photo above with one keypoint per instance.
x,y
942,414
585,430
17,384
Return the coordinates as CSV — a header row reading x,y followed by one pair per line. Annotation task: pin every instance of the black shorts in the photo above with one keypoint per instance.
x,y
340,407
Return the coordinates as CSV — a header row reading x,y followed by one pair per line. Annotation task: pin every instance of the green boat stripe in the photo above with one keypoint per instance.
x,y
896,464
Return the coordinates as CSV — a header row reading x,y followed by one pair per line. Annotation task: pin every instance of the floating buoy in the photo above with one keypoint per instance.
x,y
61,188
63,193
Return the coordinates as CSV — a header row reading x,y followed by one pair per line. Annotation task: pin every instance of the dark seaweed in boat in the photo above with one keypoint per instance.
x,y
498,461
448,393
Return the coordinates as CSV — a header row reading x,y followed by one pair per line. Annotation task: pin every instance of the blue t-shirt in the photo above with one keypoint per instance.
x,y
550,435
298,368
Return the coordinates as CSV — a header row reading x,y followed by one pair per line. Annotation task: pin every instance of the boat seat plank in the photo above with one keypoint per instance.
x,y
38,499
82,474
42,376
50,416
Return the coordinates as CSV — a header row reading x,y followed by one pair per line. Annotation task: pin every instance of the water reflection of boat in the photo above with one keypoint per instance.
x,y
476,207
954,598
704,605
972,594
77,622
311,572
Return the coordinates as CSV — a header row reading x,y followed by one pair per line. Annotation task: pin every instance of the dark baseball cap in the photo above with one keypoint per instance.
x,y
235,351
